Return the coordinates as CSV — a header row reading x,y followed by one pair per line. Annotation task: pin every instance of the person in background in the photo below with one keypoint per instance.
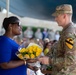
x,y
46,40
10,64
45,33
46,69
57,35
28,33
38,34
51,35
64,60
47,48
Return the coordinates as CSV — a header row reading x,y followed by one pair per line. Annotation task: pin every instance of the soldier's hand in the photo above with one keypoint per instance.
x,y
44,60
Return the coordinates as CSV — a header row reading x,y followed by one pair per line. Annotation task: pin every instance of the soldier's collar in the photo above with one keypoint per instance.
x,y
67,26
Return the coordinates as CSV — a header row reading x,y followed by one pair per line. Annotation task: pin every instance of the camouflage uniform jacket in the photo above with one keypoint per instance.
x,y
64,52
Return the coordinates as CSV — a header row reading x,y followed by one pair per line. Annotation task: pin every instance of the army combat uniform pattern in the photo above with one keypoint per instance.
x,y
64,53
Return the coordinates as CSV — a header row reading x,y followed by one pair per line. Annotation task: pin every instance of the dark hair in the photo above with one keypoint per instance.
x,y
9,20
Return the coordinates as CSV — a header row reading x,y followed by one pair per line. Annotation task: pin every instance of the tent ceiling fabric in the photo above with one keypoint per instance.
x,y
39,9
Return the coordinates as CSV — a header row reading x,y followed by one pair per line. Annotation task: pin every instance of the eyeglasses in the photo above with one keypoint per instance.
x,y
16,23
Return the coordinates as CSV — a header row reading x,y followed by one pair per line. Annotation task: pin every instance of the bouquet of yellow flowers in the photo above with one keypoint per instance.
x,y
32,51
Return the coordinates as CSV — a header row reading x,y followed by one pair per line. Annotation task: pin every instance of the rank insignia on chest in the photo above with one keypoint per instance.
x,y
69,43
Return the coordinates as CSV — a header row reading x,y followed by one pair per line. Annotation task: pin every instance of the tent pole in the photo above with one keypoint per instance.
x,y
7,8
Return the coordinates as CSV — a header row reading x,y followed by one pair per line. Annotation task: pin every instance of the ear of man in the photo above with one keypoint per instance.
x,y
65,15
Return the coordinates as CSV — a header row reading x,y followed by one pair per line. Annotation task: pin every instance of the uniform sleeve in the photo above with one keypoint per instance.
x,y
70,49
5,52
67,52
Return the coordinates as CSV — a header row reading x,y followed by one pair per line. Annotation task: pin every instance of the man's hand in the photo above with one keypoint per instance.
x,y
44,60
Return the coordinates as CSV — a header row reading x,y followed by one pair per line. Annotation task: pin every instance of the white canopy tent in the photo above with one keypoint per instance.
x,y
26,21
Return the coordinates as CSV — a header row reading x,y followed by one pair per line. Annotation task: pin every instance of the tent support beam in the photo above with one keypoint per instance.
x,y
7,8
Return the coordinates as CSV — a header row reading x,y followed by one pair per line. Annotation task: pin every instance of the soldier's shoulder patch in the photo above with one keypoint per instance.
x,y
69,42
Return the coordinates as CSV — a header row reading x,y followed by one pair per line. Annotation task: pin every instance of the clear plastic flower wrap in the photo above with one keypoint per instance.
x,y
32,51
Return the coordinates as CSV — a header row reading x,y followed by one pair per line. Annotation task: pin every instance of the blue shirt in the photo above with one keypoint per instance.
x,y
8,49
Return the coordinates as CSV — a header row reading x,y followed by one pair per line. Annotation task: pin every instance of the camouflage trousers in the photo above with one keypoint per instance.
x,y
66,74
72,74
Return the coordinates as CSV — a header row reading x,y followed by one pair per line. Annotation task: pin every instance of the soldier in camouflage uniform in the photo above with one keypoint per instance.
x,y
64,51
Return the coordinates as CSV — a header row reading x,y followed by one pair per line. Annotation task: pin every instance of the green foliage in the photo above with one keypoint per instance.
x,y
33,28
24,28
